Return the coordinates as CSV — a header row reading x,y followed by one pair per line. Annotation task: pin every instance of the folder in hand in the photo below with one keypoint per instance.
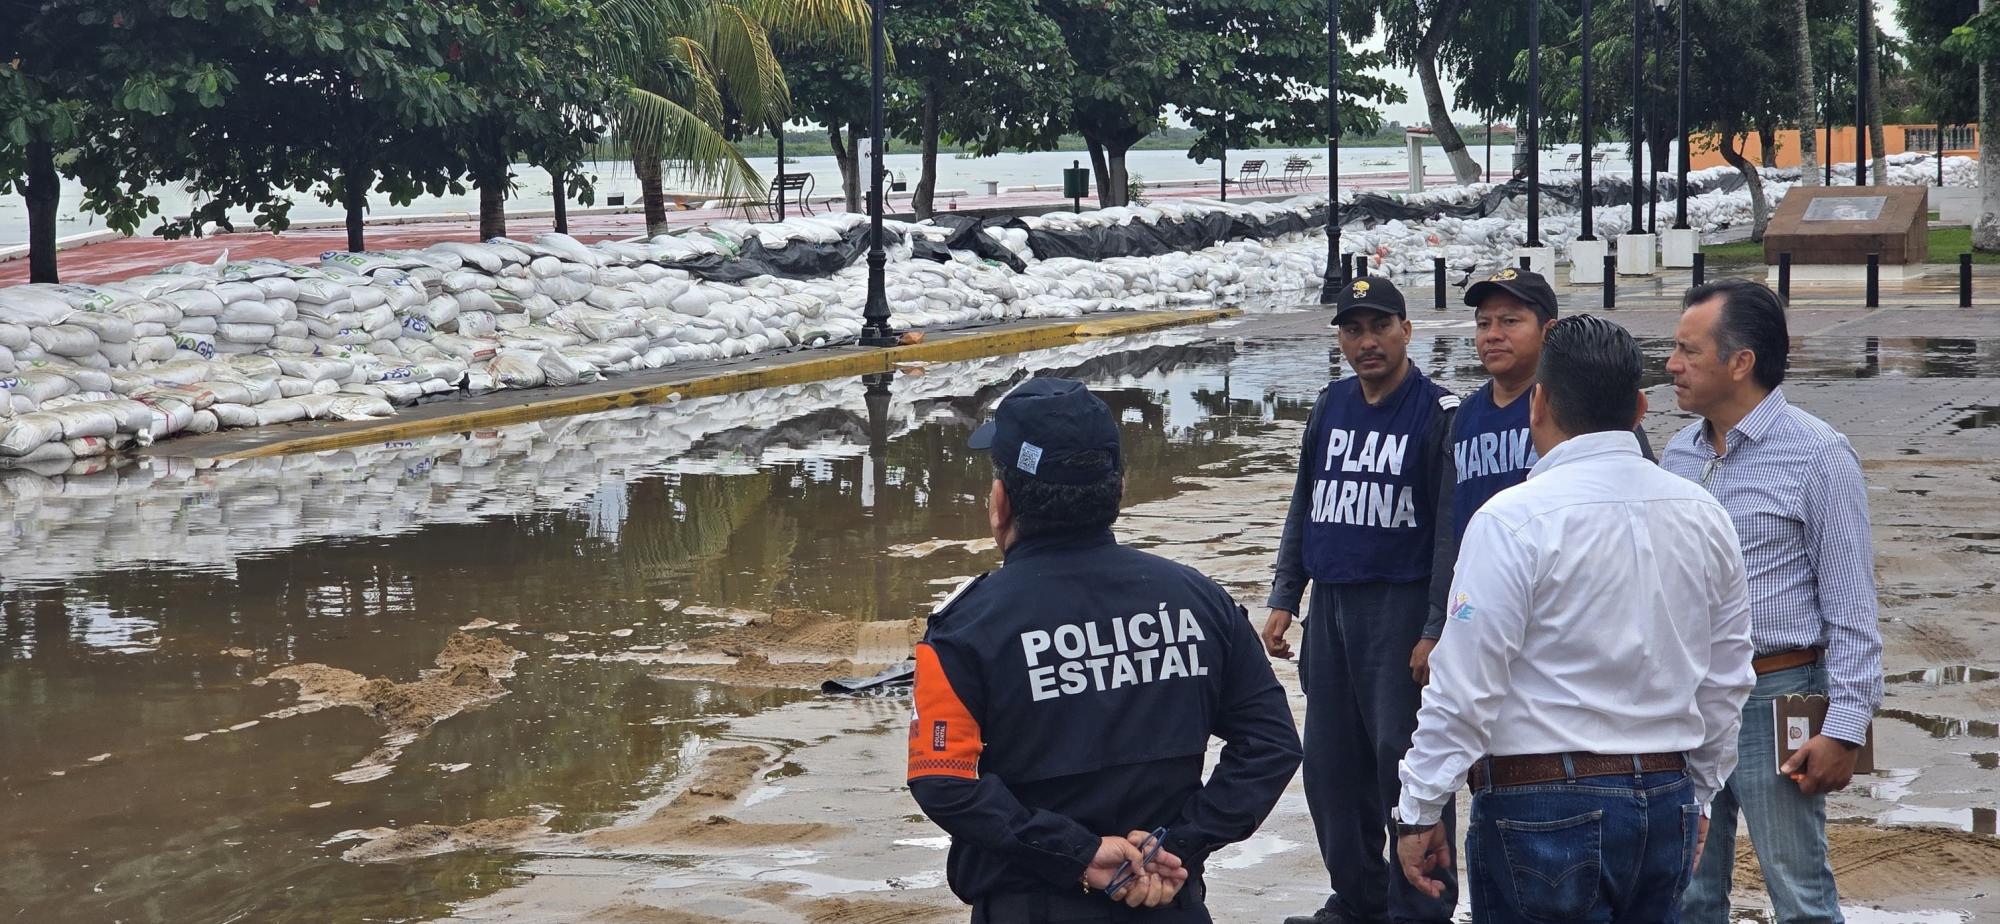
x,y
1797,717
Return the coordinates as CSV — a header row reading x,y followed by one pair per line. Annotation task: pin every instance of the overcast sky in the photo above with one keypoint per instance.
x,y
1411,111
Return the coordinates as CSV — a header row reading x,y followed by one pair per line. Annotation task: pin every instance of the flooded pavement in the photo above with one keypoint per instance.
x,y
223,687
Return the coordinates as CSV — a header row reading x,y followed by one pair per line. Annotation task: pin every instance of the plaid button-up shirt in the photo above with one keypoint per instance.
x,y
1792,485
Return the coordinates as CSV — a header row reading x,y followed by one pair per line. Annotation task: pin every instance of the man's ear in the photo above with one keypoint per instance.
x,y
1641,418
1742,365
999,513
1538,405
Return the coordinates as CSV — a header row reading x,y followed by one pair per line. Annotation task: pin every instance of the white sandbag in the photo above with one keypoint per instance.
x,y
15,336
279,287
479,255
259,312
319,292
281,410
133,416
366,297
416,328
238,292
171,415
115,355
358,407
38,386
202,421
153,349
315,368
463,281
195,325
81,420
254,334
29,306
24,433
68,340
201,345
564,370
155,285
289,387
91,447
473,300
569,248
518,369
6,360
233,415
693,302
109,328
196,303
194,396
477,324
150,311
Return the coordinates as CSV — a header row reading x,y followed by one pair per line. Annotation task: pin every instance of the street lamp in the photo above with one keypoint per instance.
x,y
1861,42
1335,277
1588,198
1681,125
1586,253
1534,123
875,316
1653,136
1636,245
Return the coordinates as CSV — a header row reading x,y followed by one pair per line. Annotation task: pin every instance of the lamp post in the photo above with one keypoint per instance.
x,y
1861,42
1588,198
875,316
1638,106
1534,123
1653,132
1826,113
1681,125
781,171
1335,273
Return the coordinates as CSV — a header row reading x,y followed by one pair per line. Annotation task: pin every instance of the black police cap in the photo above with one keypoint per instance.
x,y
1042,423
1369,293
1526,285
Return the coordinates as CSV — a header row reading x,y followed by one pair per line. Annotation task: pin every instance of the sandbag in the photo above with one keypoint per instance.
x,y
261,312
109,328
68,340
20,435
15,336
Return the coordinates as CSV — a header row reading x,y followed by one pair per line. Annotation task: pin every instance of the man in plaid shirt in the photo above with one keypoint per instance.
x,y
1792,485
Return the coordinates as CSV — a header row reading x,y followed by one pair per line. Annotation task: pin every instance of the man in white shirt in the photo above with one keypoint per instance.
x,y
1592,672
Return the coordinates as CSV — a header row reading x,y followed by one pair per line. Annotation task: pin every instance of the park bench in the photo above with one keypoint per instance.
x,y
1250,173
796,187
1296,170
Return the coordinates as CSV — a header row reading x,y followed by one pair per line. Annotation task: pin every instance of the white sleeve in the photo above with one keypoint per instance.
x,y
1486,617
1729,678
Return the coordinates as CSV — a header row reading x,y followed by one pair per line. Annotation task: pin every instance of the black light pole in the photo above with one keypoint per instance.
x,y
1223,171
781,172
1333,281
1589,197
1940,155
875,316
1489,149
1653,132
1638,107
1826,109
1534,123
1681,127
1861,26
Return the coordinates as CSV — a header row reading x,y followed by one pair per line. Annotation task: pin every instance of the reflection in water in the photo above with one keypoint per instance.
x,y
140,605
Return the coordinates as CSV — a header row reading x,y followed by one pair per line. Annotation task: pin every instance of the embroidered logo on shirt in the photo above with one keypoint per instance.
x,y
1461,608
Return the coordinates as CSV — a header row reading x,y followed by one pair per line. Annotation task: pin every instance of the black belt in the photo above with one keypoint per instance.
x,y
1529,769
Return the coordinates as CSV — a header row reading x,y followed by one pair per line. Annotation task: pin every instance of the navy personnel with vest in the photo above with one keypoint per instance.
x,y
1490,448
1363,520
1064,702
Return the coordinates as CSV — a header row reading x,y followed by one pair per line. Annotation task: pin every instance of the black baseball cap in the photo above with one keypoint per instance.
x,y
1369,293
1526,285
1041,423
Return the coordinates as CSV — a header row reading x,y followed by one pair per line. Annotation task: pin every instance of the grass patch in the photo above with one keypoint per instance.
x,y
1946,245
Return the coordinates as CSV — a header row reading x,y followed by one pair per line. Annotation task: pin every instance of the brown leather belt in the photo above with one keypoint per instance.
x,y
1786,660
1528,769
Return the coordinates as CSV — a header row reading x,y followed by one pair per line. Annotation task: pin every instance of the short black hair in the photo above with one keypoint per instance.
x,y
1041,508
1590,373
1752,318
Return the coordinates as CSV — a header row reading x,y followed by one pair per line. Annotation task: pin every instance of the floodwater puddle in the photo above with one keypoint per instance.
x,y
1940,726
1944,675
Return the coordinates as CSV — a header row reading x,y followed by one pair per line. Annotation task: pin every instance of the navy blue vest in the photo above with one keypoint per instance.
x,y
1373,483
1492,450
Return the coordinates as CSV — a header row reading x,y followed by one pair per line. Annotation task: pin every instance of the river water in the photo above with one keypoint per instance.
x,y
970,174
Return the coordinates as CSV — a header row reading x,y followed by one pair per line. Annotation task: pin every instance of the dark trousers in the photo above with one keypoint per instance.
x,y
1078,908
1361,708
1614,849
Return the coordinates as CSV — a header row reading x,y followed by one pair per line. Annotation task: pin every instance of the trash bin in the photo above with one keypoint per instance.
x,y
992,187
1076,184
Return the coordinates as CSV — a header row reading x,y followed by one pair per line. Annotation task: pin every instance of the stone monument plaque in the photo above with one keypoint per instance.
x,y
1839,226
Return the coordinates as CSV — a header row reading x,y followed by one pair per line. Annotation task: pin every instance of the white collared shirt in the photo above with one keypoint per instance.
x,y
1598,607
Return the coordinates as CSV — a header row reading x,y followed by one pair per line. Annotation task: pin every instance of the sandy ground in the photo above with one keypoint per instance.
x,y
834,837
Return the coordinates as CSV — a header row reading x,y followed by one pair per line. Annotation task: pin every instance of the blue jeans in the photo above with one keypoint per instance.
x,y
1601,848
1787,827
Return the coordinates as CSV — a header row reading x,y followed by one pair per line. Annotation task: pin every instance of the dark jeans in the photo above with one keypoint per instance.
x,y
1361,708
1077,908
1604,848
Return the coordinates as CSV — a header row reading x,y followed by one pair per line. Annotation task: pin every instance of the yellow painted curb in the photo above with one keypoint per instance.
x,y
945,348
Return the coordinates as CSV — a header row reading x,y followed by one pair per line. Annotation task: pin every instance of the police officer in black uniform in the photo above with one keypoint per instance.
x,y
1064,702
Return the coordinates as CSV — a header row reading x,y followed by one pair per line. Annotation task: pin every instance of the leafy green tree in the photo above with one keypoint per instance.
x,y
1415,34
1979,40
1947,82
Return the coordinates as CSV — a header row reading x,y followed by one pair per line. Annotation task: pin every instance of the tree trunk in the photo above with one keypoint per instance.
x,y
1805,89
1767,143
1760,210
1986,230
1443,18
652,190
857,192
354,182
1100,170
844,157
1121,181
559,191
1872,44
490,175
923,203
43,194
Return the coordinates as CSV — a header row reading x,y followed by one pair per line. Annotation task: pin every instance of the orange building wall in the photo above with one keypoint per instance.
x,y
1706,152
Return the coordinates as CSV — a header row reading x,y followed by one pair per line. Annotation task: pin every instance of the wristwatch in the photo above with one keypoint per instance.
x,y
1406,830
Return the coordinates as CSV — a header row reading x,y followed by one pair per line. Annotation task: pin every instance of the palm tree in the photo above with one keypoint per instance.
x,y
1804,90
709,57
